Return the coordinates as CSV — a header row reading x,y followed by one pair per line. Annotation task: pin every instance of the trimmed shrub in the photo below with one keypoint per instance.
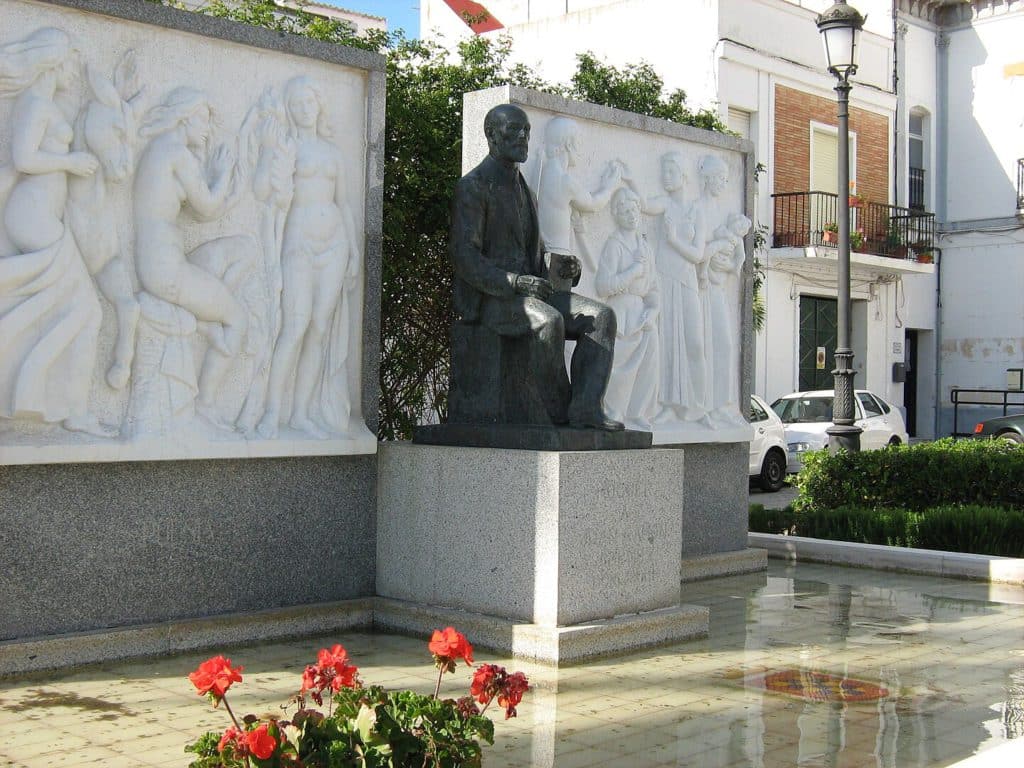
x,y
972,529
987,473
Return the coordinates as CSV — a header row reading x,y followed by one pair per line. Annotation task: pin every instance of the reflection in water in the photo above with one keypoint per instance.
x,y
1013,707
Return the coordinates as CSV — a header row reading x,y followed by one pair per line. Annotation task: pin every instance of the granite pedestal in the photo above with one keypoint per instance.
x,y
555,556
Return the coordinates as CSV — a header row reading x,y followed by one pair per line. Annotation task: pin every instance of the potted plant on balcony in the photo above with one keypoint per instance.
x,y
857,240
894,244
830,234
855,200
925,257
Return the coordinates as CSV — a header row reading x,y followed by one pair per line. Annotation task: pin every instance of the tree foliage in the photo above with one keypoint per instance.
x,y
423,160
636,88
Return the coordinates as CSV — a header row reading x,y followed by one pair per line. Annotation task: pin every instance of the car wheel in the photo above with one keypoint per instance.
x,y
773,472
1010,437
894,441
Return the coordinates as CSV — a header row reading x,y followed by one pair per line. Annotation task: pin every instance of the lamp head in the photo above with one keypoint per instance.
x,y
840,27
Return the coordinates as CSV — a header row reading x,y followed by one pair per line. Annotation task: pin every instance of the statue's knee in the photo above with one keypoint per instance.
x,y
605,323
552,327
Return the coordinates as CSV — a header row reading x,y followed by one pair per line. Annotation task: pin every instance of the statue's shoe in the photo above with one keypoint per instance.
x,y
596,421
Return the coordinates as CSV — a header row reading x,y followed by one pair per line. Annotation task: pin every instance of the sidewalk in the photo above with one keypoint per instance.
x,y
777,500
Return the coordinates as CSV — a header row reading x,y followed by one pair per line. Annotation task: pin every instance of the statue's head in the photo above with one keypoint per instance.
x,y
626,208
507,129
304,102
47,50
714,174
673,171
184,106
561,137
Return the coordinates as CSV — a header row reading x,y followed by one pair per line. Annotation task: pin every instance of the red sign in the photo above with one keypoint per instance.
x,y
476,17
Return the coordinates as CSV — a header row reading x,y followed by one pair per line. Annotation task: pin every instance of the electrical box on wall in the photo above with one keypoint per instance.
x,y
899,372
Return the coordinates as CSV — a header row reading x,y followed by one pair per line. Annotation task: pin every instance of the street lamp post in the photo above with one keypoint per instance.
x,y
840,26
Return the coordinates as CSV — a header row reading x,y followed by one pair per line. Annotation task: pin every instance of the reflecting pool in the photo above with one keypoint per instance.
x,y
805,666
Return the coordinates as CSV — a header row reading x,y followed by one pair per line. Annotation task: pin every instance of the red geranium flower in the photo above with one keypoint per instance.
x,y
230,737
214,676
260,743
332,670
329,658
449,645
511,693
490,680
485,679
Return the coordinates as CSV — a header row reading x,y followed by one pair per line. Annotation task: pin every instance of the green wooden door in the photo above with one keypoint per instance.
x,y
817,342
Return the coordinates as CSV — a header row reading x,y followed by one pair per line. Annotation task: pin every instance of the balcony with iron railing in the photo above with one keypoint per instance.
x,y
802,219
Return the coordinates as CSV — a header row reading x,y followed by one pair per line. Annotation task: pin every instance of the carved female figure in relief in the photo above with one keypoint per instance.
x,y
49,312
725,260
722,237
679,257
171,175
626,282
320,260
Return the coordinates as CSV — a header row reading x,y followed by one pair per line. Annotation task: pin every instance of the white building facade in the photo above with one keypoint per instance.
x,y
935,137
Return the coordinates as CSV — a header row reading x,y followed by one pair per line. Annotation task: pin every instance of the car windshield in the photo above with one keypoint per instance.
x,y
803,410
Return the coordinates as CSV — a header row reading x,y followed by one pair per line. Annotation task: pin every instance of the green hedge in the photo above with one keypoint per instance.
x,y
974,529
987,473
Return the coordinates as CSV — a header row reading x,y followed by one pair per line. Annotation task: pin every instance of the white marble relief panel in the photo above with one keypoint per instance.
x,y
658,226
181,253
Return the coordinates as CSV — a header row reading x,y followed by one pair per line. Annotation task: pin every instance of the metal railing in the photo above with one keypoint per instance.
x,y
801,219
1020,185
915,177
994,398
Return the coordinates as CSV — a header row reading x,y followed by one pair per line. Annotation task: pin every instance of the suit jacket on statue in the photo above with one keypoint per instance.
x,y
494,236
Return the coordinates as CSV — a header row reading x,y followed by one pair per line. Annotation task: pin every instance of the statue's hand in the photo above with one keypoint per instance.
x,y
529,285
612,174
222,161
82,164
570,267
579,226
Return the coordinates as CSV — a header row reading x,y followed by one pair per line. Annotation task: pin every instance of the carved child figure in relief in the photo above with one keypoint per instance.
x,y
320,264
49,312
172,174
626,282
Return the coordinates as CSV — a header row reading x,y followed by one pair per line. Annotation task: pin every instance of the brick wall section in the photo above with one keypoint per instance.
x,y
794,111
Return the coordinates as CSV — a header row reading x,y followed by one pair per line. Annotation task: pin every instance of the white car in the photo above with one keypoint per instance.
x,y
768,448
806,416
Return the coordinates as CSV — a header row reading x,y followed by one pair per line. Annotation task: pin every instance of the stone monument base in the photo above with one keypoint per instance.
x,y
548,645
732,563
525,437
578,550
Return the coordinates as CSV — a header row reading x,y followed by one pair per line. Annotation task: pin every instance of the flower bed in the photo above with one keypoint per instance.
x,y
363,726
